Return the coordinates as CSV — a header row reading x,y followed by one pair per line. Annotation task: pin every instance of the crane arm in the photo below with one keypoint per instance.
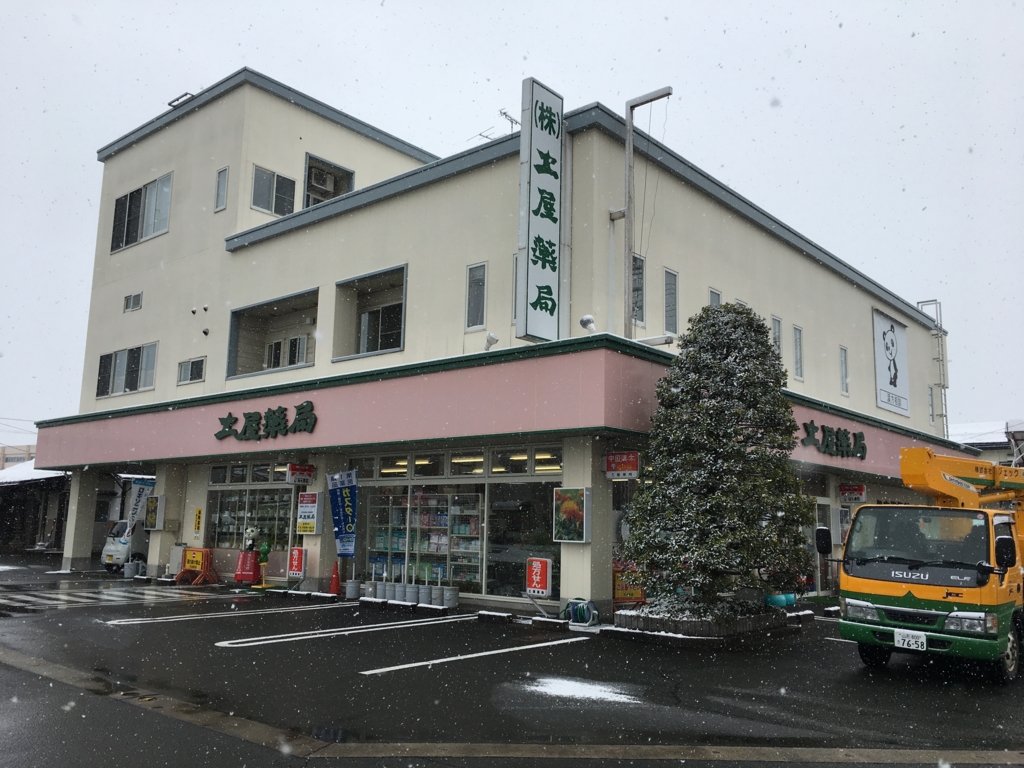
x,y
959,482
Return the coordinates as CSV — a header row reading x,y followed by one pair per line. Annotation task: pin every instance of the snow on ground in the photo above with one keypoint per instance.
x,y
568,688
12,567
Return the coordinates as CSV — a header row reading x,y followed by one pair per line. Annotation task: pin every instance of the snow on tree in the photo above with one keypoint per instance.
x,y
718,505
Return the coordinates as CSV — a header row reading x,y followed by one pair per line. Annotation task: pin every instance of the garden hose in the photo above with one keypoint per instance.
x,y
579,610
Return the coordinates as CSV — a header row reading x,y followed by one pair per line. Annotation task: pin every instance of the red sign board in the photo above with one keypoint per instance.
x,y
538,576
622,464
300,474
297,563
853,493
246,570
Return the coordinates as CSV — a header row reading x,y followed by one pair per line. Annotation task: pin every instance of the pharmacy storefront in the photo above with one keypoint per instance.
x,y
457,464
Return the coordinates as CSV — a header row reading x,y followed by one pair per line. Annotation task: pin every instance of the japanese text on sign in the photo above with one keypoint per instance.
x,y
540,200
538,576
342,489
268,424
835,441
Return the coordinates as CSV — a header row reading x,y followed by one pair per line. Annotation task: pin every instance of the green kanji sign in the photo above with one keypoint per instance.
x,y
835,441
270,424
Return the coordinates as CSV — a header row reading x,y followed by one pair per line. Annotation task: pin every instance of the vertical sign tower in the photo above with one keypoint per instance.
x,y
540,207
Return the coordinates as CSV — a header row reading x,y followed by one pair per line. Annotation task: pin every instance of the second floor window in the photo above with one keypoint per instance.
x,y
142,213
272,192
798,353
476,294
127,370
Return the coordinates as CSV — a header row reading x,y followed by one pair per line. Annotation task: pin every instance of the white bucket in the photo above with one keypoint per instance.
x,y
130,569
437,595
424,591
389,590
369,589
451,597
352,589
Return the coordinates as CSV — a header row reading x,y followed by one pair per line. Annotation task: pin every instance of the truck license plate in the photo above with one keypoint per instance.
x,y
110,558
915,641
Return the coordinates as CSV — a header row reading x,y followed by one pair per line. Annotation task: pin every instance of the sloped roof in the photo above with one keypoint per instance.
x,y
264,83
26,472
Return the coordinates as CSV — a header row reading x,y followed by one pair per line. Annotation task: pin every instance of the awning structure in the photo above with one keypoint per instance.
x,y
26,472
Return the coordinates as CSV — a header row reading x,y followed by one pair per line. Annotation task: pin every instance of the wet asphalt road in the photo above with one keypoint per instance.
x,y
807,690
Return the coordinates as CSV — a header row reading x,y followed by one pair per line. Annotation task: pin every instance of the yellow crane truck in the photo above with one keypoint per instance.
x,y
943,580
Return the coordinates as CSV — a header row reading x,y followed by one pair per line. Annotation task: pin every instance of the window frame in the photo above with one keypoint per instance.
x,y
405,311
674,303
140,370
931,404
798,353
140,237
189,363
313,161
482,325
844,371
777,334
129,303
273,192
712,293
218,203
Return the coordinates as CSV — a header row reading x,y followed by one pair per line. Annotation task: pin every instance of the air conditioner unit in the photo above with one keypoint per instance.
x,y
321,180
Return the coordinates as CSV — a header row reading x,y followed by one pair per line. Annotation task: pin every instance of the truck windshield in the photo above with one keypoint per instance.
x,y
953,538
118,530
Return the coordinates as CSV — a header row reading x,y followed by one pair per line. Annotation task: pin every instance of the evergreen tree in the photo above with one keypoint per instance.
x,y
718,505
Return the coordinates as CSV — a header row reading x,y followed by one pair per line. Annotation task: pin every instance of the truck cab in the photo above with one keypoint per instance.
x,y
929,580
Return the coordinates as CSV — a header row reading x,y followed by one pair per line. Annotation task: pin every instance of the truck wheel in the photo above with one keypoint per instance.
x,y
1007,668
874,656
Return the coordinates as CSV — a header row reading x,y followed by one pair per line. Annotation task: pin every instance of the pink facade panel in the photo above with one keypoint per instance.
x,y
882,446
582,390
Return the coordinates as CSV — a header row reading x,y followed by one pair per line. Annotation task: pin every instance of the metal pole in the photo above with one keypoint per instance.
x,y
627,280
632,104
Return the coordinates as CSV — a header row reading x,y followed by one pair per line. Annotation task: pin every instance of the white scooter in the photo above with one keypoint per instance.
x,y
123,546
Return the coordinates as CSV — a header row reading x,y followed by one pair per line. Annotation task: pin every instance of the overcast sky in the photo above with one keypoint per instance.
x,y
888,133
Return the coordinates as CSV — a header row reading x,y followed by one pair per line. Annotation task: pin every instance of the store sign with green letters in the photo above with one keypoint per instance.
x,y
271,423
835,441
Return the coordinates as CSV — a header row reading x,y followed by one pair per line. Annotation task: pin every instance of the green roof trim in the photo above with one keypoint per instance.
x,y
494,357
846,413
496,440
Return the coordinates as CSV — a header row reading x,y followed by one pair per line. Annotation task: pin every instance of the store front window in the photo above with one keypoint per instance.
x,y
473,530
519,526
244,495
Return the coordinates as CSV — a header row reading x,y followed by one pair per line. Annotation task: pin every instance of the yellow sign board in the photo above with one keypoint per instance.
x,y
623,590
198,528
193,560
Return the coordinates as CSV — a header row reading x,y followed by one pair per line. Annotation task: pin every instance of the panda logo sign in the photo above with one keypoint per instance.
x,y
892,385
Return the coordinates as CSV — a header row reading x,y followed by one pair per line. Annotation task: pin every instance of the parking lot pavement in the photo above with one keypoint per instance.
x,y
369,676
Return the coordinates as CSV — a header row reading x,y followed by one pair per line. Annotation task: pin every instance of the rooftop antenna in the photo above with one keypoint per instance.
x,y
482,135
179,100
512,122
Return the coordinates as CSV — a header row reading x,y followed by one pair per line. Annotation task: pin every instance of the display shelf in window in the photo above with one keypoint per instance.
x,y
432,537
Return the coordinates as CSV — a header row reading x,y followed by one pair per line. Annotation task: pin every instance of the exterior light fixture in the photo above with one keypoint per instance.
x,y
587,322
490,341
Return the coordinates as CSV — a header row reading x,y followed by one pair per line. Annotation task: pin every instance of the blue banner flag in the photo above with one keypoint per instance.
x,y
342,491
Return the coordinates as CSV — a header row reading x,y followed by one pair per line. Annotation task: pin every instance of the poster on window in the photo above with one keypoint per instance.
x,y
572,515
892,377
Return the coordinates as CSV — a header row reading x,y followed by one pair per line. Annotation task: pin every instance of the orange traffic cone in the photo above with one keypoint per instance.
x,y
335,588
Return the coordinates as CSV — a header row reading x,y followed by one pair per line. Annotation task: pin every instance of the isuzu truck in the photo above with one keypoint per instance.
x,y
943,580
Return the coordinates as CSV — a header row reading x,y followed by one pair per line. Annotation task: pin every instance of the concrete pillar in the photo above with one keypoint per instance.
x,y
81,520
321,552
587,568
170,483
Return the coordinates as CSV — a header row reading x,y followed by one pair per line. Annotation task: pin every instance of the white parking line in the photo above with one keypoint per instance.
x,y
447,659
315,634
219,614
840,640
